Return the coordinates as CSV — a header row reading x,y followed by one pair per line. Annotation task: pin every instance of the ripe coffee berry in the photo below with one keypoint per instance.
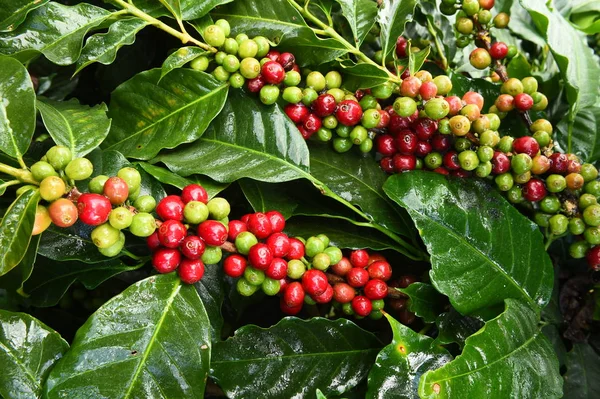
x,y
325,297
526,145
277,270
387,165
311,124
498,50
559,163
260,256
272,72
259,224
170,208
296,250
376,289
349,113
343,293
194,192
422,149
380,269
165,260
279,244
93,208
287,61
425,127
297,112
234,265
404,162
342,267
294,294
450,160
191,270
235,228
256,84
385,145
277,221
153,242
116,190
357,277
406,142
361,305
171,233
523,102
534,190
359,258
192,247
593,258
401,44
314,282
212,232
500,163
324,105
63,212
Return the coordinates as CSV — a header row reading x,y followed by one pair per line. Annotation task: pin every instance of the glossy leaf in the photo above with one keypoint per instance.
x,y
174,7
358,180
165,176
13,12
424,301
154,336
399,365
463,222
360,15
14,280
455,328
362,76
179,58
281,23
583,367
497,361
103,47
17,109
264,197
15,230
585,136
50,279
211,290
392,17
261,141
54,30
28,350
575,59
332,355
78,127
145,123
341,233
193,9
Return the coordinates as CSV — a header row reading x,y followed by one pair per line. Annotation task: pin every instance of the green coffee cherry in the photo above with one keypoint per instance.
x,y
591,215
236,80
195,212
248,48
244,241
292,78
200,64
558,224
40,170
263,46
120,218
142,225
105,235
114,249
316,81
214,35
269,94
295,269
59,157
212,255
231,46
292,94
578,249
271,287
333,80
218,208
314,246
244,287
576,226
250,68
254,276
145,203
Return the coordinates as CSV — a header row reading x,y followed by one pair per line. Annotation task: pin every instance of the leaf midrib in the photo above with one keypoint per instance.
x,y
296,356
66,122
15,236
27,372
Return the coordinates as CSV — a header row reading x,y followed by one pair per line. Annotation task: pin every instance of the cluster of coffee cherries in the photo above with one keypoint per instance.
x,y
190,231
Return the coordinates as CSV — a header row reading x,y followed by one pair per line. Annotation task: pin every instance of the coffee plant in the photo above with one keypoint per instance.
x,y
299,198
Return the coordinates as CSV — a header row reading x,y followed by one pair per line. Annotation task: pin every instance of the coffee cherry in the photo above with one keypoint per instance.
x,y
277,269
196,212
556,183
504,181
342,267
79,169
501,20
96,185
93,209
43,219
114,249
357,277
191,270
116,190
361,305
297,112
578,249
59,157
359,258
212,232
272,72
62,212
316,81
40,170
498,50
234,265
296,250
142,225
269,94
279,244
468,160
145,203
165,260
199,64
192,247
293,295
437,108
170,208
120,218
104,235
212,255
314,282
480,58
52,188
245,240
171,233
349,113
260,256
324,105
376,289
214,35
534,190
334,254
259,225
404,162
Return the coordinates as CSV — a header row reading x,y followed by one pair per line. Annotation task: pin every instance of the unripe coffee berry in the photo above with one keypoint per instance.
x,y
142,225
52,188
104,235
480,58
62,212
116,190
120,218
245,240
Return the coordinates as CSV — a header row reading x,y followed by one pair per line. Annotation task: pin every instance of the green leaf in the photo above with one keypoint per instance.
x,y
261,140
462,221
583,366
165,176
154,336
15,230
497,361
362,76
179,58
15,279
332,355
586,16
174,8
28,350
13,12
193,9
342,233
145,123
575,59
55,30
264,197
281,23
103,47
585,137
72,243
519,67
361,17
399,365
50,279
211,290
415,61
455,328
392,17
17,108
78,127
424,301
359,181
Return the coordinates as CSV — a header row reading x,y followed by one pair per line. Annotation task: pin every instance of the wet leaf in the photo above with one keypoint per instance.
x,y
399,365
28,350
264,197
15,279
179,58
154,336
583,366
461,222
455,328
332,355
211,290
497,360
13,12
165,176
361,17
424,301
193,9
585,136
392,17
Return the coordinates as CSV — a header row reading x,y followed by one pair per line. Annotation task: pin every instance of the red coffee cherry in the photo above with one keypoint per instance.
x,y
93,208
116,190
192,247
194,192
212,232
165,260
380,269
287,61
296,112
362,306
311,124
472,97
376,289
63,212
357,277
534,190
404,162
234,265
324,105
342,267
455,104
191,270
401,44
152,241
272,72
406,142
325,297
254,85
171,233
279,243
314,282
277,221
294,295
359,258
526,145
387,165
296,250
235,228
559,163
260,256
348,113
593,258
259,225
170,208
422,149
500,163
277,270
425,128
273,55
384,143
523,102
343,293
451,161
498,50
